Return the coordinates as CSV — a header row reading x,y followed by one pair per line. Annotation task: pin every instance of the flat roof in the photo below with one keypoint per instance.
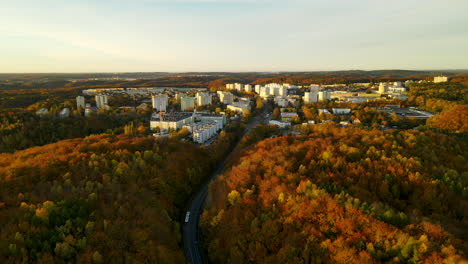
x,y
173,116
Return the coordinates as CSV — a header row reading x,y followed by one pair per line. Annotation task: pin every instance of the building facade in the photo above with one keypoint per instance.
x,y
160,102
187,103
101,100
80,102
204,99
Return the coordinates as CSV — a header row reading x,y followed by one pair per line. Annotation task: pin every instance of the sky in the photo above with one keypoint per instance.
x,y
231,35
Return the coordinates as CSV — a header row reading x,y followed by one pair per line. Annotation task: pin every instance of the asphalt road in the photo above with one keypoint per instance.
x,y
190,230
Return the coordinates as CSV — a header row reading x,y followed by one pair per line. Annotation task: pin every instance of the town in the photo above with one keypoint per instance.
x,y
203,114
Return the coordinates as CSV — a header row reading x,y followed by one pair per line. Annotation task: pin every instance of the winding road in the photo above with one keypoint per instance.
x,y
190,229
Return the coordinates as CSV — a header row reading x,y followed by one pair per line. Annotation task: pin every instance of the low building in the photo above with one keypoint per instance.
x,y
239,107
175,120
440,79
205,116
341,111
279,123
42,112
64,113
323,111
288,116
281,101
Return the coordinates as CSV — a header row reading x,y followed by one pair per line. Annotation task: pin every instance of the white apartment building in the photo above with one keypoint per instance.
x,y
187,103
204,99
341,111
101,100
396,89
279,123
80,102
324,95
257,88
264,92
239,87
171,121
311,96
440,79
229,86
382,88
160,102
202,131
226,97
248,88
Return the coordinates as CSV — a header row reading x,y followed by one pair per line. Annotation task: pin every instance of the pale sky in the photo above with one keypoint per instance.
x,y
231,35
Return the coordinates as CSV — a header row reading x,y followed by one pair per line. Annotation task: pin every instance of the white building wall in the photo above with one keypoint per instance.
x,y
160,102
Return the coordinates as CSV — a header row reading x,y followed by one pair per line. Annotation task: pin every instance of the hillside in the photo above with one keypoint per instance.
x,y
100,199
342,195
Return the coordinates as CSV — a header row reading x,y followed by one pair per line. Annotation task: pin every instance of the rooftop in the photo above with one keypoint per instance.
x,y
173,116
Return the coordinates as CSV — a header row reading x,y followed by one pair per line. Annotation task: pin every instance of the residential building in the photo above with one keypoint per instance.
x,y
206,116
341,111
324,95
229,86
281,101
42,112
279,123
257,88
101,100
226,97
175,120
160,102
382,88
440,79
239,87
248,88
288,116
311,96
64,113
80,102
187,103
204,99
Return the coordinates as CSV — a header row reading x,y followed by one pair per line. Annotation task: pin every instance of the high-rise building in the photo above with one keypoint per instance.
x,y
310,97
160,102
226,97
80,102
248,88
204,99
101,100
187,103
439,79
258,87
239,87
229,86
282,91
324,95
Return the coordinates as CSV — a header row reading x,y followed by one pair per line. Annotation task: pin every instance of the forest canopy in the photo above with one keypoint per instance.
x,y
342,195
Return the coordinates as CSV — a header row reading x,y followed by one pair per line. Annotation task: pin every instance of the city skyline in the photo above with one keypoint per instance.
x,y
232,36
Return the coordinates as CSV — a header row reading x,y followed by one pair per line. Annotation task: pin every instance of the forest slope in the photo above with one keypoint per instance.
x,y
100,199
342,195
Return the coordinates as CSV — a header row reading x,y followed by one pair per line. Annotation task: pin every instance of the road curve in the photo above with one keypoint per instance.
x,y
190,229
